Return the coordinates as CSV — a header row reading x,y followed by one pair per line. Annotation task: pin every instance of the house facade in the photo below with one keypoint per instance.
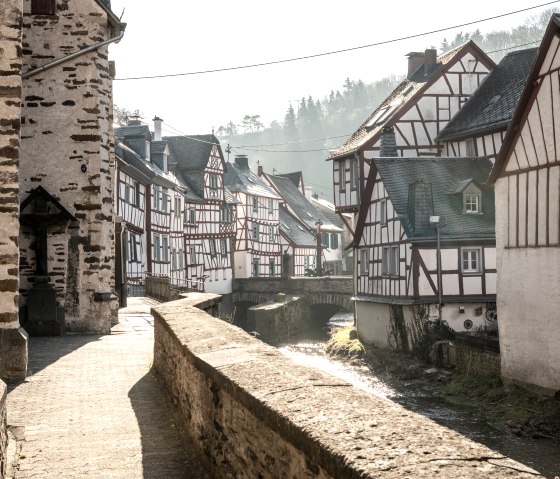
x,y
479,128
418,109
526,179
298,245
257,251
397,273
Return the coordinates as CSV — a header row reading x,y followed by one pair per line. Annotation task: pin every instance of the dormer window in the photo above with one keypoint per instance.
x,y
43,7
471,203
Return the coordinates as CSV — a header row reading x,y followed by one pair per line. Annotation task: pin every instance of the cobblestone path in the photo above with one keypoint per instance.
x,y
92,408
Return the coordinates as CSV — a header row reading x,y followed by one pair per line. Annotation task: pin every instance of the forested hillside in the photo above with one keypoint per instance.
x,y
301,140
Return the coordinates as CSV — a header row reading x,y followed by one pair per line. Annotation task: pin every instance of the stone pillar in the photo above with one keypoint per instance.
x,y
13,339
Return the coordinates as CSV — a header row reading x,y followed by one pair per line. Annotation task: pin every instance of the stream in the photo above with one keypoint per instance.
x,y
310,350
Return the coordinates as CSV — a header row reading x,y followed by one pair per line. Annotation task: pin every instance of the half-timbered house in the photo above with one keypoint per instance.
x,y
418,109
413,202
312,219
478,129
526,178
208,222
257,251
299,245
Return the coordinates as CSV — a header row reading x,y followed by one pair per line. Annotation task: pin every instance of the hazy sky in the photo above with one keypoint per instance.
x,y
176,36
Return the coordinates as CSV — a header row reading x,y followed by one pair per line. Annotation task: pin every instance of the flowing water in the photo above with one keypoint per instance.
x,y
310,350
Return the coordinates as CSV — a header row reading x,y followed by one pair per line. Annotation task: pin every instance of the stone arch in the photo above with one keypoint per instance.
x,y
249,297
340,300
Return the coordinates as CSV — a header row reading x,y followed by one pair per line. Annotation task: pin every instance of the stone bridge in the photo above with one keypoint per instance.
x,y
329,290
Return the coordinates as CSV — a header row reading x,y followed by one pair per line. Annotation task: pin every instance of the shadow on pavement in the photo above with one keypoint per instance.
x,y
164,454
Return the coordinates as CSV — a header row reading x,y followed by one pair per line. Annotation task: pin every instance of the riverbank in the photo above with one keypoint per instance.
x,y
513,409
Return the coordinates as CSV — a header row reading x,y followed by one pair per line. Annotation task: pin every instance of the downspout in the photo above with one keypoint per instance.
x,y
48,66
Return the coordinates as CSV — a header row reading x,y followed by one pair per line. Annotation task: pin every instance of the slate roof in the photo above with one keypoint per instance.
x,y
294,232
133,131
397,102
193,151
305,211
329,213
296,177
229,198
239,179
158,147
446,176
491,106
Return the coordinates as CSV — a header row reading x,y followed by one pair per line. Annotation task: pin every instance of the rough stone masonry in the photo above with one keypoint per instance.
x,y
67,148
13,340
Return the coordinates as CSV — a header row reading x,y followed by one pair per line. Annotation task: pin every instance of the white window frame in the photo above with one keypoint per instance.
x,y
223,247
157,247
212,247
467,257
255,268
354,174
270,206
272,267
133,247
472,203
192,255
255,204
271,234
342,175
390,259
165,249
256,232
190,216
213,184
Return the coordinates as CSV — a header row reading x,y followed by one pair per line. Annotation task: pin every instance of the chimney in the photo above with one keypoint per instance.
x,y
157,128
308,192
420,207
388,143
430,60
242,161
133,120
415,61
260,170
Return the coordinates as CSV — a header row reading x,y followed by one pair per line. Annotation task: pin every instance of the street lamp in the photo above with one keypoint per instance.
x,y
436,222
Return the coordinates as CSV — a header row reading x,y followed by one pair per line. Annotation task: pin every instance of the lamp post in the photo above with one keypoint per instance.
x,y
319,268
436,222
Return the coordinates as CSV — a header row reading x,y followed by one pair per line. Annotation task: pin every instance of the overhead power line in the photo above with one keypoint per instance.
x,y
515,46
334,52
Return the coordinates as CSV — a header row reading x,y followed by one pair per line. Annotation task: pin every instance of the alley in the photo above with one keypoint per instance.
x,y
92,407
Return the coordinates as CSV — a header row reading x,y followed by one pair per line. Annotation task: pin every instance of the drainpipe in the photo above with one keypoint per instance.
x,y
48,66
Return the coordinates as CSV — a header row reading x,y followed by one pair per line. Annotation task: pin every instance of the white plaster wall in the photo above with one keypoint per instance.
x,y
372,323
241,261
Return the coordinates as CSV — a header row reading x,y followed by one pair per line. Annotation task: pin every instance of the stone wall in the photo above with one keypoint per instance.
x,y
277,321
3,430
469,359
13,344
67,148
251,412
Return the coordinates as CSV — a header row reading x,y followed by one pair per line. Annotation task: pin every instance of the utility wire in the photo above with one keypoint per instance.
x,y
515,46
344,50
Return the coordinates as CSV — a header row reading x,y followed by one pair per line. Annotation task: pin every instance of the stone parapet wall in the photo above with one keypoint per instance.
x,y
251,412
468,358
3,430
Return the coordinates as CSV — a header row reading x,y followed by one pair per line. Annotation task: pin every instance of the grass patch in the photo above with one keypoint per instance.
x,y
344,343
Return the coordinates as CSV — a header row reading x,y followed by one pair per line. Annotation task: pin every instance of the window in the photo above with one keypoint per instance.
x,y
255,268
223,247
177,209
212,247
355,174
364,261
383,211
157,247
160,199
390,261
133,244
43,7
334,240
255,231
469,147
165,249
342,176
270,206
190,216
137,198
213,183
272,268
164,200
174,258
271,234
181,262
471,203
192,254
127,193
225,214
255,204
471,260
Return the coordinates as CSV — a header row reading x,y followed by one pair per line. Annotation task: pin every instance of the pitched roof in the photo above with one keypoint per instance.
x,y
446,176
193,151
398,102
133,131
294,231
304,210
239,179
491,106
296,177
514,128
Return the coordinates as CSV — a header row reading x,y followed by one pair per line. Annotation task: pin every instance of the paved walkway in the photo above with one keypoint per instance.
x,y
91,408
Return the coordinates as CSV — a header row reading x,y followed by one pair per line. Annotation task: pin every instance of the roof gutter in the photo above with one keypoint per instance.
x,y
48,66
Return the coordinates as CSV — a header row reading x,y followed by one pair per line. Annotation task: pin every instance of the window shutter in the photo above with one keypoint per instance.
x,y
43,7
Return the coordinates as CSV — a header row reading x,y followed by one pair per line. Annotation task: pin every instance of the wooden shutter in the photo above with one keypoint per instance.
x,y
43,7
